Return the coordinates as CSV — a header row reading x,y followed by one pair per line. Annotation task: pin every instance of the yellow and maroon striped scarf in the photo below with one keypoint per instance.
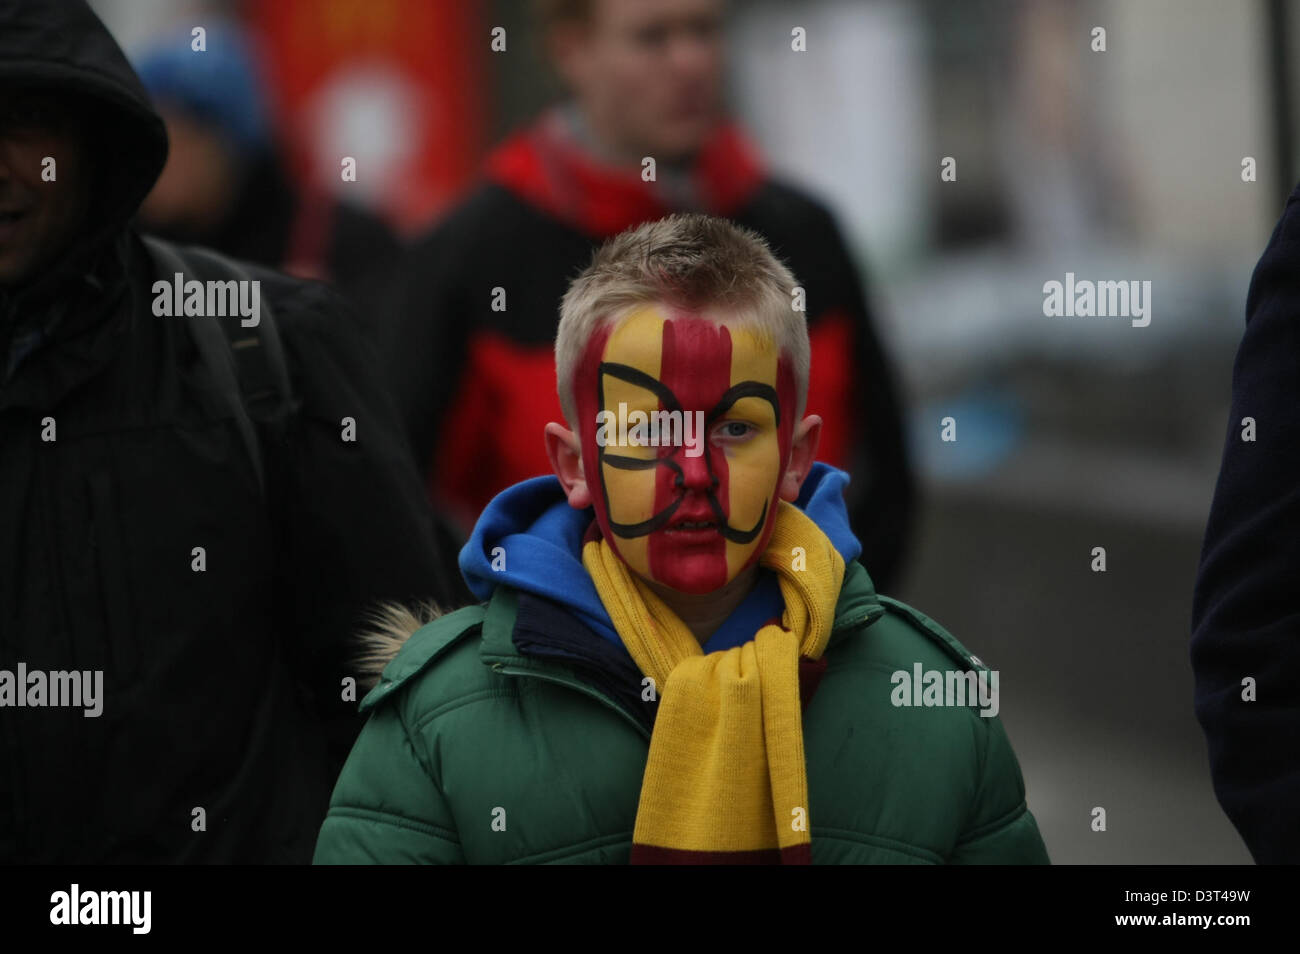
x,y
725,781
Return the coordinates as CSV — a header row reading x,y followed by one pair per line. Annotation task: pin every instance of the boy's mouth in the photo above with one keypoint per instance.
x,y
693,533
686,525
695,519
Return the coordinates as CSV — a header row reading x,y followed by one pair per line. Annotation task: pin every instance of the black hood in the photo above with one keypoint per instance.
x,y
62,44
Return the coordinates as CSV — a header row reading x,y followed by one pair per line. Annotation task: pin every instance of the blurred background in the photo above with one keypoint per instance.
x,y
1071,433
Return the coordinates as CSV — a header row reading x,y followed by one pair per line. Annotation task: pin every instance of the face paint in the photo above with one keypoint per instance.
x,y
689,521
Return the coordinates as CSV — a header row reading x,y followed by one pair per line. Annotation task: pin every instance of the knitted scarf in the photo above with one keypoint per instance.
x,y
725,781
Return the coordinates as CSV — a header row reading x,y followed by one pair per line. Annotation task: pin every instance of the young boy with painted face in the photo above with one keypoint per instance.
x,y
678,658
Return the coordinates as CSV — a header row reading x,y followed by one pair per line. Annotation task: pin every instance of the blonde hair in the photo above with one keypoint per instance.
x,y
685,260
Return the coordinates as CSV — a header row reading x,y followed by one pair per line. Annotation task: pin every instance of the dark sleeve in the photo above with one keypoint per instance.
x,y
882,494
1246,605
423,341
354,525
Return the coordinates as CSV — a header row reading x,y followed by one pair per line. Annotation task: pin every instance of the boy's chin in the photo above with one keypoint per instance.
x,y
693,575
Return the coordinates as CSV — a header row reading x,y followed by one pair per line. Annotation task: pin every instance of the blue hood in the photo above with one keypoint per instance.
x,y
539,537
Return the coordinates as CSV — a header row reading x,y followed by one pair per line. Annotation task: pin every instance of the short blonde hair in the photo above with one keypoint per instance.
x,y
686,260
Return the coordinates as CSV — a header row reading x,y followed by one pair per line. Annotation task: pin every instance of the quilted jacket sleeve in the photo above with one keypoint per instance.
x,y
1001,829
386,809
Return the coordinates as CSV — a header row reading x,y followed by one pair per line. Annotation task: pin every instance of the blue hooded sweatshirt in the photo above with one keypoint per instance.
x,y
540,540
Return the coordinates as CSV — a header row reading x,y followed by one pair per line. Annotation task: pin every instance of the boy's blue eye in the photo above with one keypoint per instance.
x,y
734,429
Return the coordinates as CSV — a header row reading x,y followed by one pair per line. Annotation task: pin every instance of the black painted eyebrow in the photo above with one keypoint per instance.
x,y
625,372
743,390
639,378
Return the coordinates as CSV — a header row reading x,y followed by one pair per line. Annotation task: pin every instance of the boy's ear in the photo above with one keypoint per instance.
x,y
803,454
565,454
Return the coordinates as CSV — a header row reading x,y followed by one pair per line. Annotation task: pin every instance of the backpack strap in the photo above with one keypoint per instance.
x,y
247,365
259,353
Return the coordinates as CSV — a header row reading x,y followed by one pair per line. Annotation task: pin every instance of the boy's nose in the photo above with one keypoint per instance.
x,y
695,474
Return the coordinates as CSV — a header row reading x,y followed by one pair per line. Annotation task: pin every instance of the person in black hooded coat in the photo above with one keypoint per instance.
x,y
136,538
1245,647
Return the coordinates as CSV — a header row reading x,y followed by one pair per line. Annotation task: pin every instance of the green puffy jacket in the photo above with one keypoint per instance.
x,y
475,753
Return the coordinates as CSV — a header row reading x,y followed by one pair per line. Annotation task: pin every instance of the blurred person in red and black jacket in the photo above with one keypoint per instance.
x,y
470,349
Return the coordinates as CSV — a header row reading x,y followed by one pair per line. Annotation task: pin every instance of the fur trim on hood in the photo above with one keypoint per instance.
x,y
389,626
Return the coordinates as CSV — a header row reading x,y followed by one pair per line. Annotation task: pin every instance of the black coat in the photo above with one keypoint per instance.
x,y
1246,610
222,689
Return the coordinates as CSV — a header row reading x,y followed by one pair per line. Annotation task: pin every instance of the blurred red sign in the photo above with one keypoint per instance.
x,y
397,86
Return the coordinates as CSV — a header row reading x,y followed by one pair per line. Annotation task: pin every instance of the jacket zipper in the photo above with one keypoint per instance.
x,y
572,684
